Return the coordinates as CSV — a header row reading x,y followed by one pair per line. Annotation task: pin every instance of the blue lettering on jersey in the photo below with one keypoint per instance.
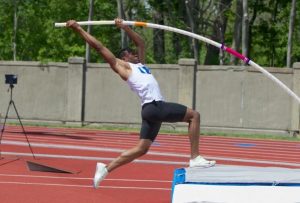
x,y
145,70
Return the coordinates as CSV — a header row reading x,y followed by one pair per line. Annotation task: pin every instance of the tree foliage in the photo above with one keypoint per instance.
x,y
36,38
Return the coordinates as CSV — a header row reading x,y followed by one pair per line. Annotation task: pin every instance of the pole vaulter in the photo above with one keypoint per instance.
x,y
199,37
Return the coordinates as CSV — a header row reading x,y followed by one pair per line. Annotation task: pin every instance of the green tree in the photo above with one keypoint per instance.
x,y
37,40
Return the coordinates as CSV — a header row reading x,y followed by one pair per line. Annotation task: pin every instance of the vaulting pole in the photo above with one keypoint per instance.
x,y
199,37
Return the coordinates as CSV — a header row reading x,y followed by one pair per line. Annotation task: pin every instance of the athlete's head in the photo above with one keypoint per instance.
x,y
129,55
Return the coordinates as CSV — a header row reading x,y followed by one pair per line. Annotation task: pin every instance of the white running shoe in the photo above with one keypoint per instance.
x,y
100,174
199,161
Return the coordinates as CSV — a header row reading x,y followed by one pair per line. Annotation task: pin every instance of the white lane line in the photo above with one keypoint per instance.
x,y
116,150
44,184
163,136
76,178
85,148
171,147
209,148
92,158
61,146
183,164
82,186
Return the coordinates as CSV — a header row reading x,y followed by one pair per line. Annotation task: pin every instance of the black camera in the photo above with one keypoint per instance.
x,y
11,79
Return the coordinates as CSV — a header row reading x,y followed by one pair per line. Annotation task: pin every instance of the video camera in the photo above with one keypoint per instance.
x,y
11,79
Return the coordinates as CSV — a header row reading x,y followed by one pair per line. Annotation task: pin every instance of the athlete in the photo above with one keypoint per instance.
x,y
130,67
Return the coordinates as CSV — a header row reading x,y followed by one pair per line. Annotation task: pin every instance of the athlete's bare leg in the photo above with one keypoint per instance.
x,y
193,118
140,149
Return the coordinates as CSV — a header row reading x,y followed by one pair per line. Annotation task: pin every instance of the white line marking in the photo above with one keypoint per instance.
x,y
75,178
214,146
92,158
117,150
82,186
150,161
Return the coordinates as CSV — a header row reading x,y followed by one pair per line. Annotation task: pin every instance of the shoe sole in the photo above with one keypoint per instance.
x,y
204,166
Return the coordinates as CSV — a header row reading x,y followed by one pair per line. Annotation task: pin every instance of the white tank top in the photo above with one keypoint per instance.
x,y
142,82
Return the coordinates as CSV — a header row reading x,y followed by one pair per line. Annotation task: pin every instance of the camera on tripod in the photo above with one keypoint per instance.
x,y
11,79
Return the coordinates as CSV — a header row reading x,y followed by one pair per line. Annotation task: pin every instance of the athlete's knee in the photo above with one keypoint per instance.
x,y
196,115
192,115
142,150
134,152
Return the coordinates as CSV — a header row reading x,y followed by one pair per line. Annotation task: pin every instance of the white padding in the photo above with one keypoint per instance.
x,y
194,193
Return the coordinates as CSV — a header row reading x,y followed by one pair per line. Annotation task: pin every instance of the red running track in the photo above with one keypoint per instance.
x,y
148,179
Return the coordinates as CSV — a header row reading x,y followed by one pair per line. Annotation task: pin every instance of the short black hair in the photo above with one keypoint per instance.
x,y
122,53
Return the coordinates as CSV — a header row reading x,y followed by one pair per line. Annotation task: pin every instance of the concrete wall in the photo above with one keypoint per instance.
x,y
237,98
41,92
229,98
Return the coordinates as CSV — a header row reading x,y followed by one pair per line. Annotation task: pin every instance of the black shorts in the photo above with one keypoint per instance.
x,y
156,112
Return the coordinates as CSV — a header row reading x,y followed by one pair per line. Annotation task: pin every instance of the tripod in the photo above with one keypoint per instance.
x,y
12,103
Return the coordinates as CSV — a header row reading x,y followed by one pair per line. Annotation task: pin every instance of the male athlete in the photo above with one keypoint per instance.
x,y
130,67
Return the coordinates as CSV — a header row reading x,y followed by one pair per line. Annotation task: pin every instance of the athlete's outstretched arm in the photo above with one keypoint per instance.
x,y
135,37
108,56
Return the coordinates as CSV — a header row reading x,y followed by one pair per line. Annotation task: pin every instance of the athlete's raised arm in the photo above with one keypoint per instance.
x,y
116,64
135,37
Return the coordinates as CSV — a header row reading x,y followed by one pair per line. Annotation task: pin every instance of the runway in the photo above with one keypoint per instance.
x,y
148,179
